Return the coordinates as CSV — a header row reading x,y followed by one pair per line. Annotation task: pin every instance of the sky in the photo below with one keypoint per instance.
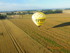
x,y
7,5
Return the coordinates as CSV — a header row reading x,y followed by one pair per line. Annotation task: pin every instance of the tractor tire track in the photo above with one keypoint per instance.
x,y
16,44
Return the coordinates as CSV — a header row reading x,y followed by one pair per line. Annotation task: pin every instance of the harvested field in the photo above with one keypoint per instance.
x,y
23,36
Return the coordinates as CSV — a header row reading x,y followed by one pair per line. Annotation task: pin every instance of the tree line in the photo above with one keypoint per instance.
x,y
31,12
52,11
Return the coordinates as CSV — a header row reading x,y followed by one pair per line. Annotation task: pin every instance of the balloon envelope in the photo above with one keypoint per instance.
x,y
38,18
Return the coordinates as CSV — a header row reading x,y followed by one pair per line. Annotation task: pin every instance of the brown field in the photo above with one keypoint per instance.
x,y
23,36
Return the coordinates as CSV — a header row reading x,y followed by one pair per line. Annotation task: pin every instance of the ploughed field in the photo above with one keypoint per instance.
x,y
23,36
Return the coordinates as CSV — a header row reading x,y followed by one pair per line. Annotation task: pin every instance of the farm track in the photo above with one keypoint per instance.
x,y
16,45
6,44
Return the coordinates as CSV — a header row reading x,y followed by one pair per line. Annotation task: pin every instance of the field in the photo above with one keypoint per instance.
x,y
23,36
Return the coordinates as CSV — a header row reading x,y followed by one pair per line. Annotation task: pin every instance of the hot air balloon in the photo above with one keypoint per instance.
x,y
38,18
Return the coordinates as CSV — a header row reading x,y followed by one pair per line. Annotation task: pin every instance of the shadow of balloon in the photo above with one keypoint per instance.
x,y
62,25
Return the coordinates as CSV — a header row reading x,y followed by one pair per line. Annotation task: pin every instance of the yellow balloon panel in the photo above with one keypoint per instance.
x,y
38,18
40,21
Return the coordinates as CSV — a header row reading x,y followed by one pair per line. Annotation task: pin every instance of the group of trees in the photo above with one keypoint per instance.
x,y
10,13
52,11
19,13
3,16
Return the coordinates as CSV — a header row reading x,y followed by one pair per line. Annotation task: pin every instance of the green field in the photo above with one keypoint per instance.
x,y
21,35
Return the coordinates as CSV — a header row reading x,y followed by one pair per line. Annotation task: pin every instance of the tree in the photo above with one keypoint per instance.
x,y
58,11
3,16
